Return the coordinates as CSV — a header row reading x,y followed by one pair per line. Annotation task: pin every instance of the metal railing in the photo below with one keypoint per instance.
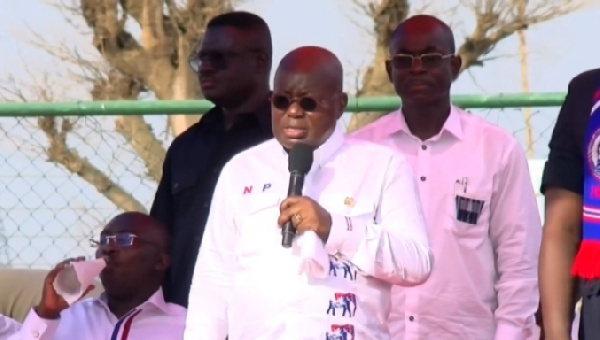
x,y
65,168
364,104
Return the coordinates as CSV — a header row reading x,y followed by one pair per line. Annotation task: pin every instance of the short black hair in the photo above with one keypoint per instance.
x,y
444,26
245,21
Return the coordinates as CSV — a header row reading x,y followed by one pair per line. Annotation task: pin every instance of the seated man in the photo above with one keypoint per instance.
x,y
359,226
136,249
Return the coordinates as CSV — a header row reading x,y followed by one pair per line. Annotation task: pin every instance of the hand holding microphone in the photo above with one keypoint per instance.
x,y
305,214
299,213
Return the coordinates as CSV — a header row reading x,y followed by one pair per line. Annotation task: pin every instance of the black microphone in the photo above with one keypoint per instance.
x,y
300,159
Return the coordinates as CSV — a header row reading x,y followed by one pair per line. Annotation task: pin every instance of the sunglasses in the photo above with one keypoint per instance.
x,y
123,240
428,60
218,60
283,103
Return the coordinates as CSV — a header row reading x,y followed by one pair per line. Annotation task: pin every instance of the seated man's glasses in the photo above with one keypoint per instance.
x,y
122,240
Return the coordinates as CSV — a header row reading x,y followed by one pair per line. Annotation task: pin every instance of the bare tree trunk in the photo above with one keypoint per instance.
x,y
386,16
523,57
185,86
157,63
375,83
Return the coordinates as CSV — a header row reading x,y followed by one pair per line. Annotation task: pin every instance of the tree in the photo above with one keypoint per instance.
x,y
495,20
156,62
128,64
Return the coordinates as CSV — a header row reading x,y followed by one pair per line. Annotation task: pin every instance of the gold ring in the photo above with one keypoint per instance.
x,y
298,218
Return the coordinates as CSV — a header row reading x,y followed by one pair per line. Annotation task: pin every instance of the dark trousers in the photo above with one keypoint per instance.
x,y
589,325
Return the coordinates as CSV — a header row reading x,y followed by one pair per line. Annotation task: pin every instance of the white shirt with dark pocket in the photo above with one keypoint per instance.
x,y
484,227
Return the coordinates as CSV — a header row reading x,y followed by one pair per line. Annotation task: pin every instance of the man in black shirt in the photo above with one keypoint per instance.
x,y
233,64
563,185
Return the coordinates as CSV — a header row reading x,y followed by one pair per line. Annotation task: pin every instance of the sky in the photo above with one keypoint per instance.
x,y
46,215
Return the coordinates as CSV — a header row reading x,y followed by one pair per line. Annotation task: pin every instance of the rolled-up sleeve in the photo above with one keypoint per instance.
x,y
396,247
8,326
36,328
211,283
515,232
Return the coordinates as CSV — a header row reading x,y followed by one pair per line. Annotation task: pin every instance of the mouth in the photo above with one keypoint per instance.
x,y
295,133
110,262
418,85
207,83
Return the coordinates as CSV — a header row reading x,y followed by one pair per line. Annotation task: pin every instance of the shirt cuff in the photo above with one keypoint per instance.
x,y
337,233
510,332
35,327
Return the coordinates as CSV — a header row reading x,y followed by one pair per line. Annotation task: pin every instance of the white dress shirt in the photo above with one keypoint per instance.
x,y
8,327
247,286
92,320
484,284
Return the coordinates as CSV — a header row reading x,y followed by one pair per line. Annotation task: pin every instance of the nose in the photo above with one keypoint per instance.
x,y
295,111
206,69
206,66
417,66
108,250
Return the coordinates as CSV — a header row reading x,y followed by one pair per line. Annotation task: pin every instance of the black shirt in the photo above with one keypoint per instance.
x,y
564,168
190,172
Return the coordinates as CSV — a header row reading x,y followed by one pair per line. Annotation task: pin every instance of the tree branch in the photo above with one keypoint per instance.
x,y
386,16
495,20
499,19
138,133
58,152
134,129
115,44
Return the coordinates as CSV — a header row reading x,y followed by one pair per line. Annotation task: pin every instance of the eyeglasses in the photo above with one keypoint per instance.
x,y
428,60
283,103
122,240
218,60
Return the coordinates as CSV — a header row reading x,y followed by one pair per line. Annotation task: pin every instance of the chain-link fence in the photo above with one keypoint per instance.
x,y
62,178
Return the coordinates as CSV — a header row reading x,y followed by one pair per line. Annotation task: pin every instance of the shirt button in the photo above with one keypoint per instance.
x,y
423,147
176,185
35,334
423,178
411,318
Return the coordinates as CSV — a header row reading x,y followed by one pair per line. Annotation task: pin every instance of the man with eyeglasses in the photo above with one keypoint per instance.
x,y
132,307
477,197
359,225
233,64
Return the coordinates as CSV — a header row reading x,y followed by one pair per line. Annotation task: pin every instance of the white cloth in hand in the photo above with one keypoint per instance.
x,y
315,260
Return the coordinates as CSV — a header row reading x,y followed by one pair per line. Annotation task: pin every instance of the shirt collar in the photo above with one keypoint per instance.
x,y
324,153
157,300
397,123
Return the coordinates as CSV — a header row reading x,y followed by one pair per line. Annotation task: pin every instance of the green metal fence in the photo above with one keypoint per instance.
x,y
381,104
65,168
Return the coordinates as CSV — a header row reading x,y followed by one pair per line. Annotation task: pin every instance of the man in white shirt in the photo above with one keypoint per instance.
x,y
136,248
359,226
8,327
476,194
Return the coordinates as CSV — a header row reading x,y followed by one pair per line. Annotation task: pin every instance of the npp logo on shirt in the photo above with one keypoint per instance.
x,y
248,189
